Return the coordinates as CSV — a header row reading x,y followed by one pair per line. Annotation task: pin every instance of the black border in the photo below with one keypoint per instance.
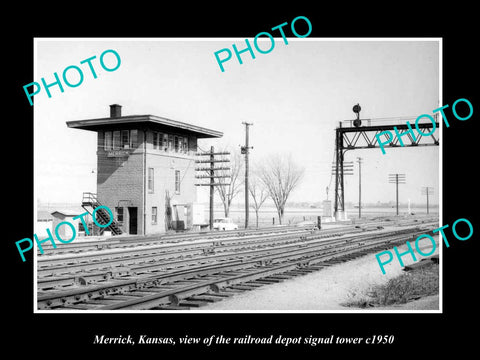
x,y
68,334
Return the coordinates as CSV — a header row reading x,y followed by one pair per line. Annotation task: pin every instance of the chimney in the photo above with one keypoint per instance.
x,y
115,111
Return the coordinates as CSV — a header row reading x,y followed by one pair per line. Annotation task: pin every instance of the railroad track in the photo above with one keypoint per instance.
x,y
108,259
132,241
141,253
63,270
181,283
84,272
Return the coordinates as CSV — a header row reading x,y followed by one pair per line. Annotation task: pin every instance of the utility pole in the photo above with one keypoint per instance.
x,y
212,186
426,190
211,175
359,160
396,179
245,150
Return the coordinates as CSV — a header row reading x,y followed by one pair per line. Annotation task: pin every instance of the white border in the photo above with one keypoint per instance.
x,y
439,311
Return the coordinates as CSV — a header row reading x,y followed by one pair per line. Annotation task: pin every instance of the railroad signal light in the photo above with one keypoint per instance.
x,y
356,109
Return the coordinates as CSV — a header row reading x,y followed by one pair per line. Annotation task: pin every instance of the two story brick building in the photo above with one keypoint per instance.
x,y
146,169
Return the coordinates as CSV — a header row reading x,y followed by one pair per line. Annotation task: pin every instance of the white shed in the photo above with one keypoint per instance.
x,y
65,231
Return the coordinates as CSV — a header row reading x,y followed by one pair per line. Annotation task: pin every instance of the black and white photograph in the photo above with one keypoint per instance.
x,y
280,182
254,188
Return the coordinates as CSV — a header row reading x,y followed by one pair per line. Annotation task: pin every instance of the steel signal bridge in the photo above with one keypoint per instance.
x,y
361,134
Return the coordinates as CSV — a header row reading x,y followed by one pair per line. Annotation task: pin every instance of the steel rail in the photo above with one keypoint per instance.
x,y
75,265
174,296
139,240
166,249
138,269
141,263
48,282
135,240
72,263
66,260
72,296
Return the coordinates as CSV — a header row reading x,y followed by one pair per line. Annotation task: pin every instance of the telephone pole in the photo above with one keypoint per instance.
x,y
212,186
210,170
245,150
396,179
359,160
426,190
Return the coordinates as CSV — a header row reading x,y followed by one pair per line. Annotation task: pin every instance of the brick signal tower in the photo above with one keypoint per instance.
x,y
145,169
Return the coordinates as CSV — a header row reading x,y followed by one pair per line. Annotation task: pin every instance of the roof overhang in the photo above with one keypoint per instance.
x,y
103,123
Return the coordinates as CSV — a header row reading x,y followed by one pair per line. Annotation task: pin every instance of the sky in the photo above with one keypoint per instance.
x,y
295,97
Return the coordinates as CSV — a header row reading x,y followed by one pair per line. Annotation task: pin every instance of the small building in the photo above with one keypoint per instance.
x,y
65,232
146,169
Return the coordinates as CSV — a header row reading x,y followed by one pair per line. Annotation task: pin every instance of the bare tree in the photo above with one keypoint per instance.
x,y
258,192
231,185
280,175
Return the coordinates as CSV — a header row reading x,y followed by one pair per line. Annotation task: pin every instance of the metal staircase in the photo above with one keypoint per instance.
x,y
101,215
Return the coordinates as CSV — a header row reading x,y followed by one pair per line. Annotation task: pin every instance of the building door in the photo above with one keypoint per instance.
x,y
132,222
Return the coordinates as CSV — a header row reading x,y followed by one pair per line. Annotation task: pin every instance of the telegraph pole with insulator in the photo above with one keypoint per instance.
x,y
359,160
396,179
245,150
210,170
426,190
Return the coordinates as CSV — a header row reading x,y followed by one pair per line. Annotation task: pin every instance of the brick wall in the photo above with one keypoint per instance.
x,y
120,180
164,181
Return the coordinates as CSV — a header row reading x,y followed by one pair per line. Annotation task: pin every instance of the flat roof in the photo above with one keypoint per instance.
x,y
68,212
101,123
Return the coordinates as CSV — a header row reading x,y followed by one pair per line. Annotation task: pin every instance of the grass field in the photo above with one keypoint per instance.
x,y
399,290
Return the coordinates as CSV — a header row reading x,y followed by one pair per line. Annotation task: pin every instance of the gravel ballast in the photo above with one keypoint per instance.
x,y
327,289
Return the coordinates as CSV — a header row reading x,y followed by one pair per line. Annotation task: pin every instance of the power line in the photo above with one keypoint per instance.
x,y
426,190
359,160
246,150
396,179
210,176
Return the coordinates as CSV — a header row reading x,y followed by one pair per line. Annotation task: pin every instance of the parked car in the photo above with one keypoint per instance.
x,y
224,224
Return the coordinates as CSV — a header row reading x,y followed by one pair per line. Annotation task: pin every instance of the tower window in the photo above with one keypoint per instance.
x,y
165,142
185,145
154,215
133,138
150,179
125,139
119,213
176,143
116,140
180,143
108,140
